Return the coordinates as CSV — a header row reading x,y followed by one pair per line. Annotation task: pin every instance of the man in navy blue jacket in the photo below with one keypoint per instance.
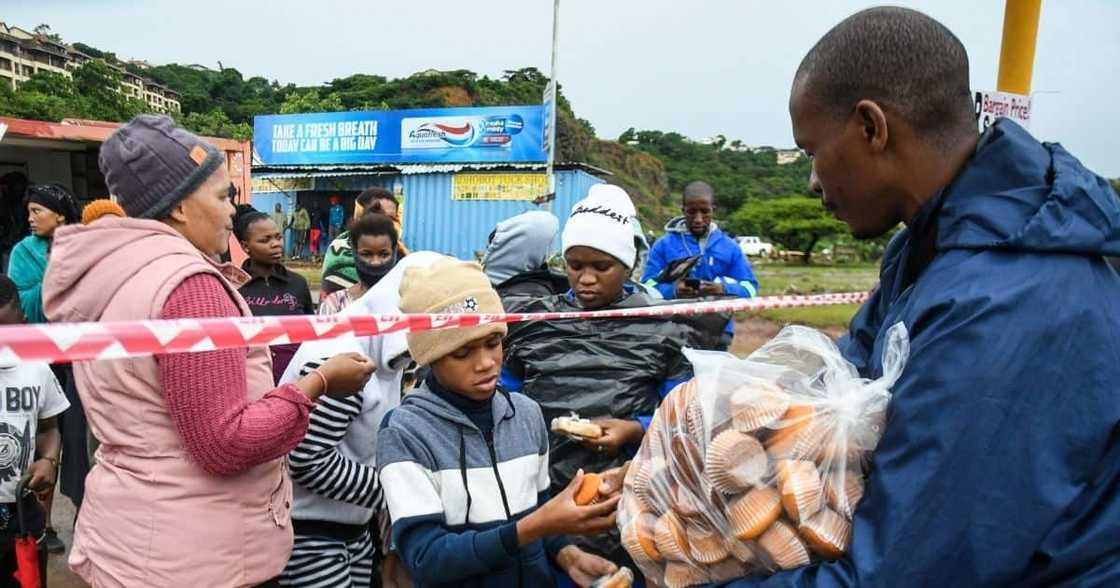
x,y
722,268
1000,461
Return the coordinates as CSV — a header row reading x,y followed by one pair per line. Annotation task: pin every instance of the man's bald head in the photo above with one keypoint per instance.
x,y
698,204
698,189
901,59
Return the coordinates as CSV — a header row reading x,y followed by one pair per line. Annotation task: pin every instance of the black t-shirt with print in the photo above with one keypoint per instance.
x,y
283,293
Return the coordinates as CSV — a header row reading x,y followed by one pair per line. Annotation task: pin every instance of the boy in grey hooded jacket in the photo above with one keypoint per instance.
x,y
465,468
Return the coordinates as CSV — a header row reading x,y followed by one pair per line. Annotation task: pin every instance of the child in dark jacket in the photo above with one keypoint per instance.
x,y
465,469
612,371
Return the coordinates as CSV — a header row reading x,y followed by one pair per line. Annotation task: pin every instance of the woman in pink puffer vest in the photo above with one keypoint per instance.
x,y
190,487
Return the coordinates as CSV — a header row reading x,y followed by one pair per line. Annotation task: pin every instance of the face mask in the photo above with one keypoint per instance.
x,y
370,274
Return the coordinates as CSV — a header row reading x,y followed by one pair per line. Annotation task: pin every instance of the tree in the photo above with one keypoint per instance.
x,y
34,105
310,101
795,222
215,124
99,87
95,52
738,175
43,96
50,83
44,30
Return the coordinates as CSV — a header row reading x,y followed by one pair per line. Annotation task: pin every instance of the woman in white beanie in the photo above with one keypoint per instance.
x,y
614,372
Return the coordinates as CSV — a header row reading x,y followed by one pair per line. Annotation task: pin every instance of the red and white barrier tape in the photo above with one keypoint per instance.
x,y
65,342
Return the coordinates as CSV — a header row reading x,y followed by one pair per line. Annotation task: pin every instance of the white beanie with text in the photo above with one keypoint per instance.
x,y
602,221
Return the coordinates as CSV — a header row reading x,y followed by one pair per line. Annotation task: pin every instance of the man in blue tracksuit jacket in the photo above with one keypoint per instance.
x,y
1000,461
722,270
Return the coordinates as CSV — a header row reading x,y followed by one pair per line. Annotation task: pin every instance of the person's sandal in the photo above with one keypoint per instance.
x,y
53,543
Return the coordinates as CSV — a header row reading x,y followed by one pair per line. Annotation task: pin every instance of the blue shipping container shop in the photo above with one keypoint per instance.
x,y
434,219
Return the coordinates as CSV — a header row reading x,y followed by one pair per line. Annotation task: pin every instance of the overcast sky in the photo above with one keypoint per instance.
x,y
695,67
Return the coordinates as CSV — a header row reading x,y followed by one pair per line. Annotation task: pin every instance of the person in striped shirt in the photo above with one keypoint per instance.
x,y
338,515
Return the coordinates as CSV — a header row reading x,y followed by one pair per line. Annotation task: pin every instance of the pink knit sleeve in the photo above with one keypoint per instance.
x,y
207,396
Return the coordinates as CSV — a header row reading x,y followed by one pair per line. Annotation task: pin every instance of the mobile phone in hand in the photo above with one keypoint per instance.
x,y
692,283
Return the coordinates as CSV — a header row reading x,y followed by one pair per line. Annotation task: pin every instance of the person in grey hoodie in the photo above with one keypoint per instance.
x,y
516,259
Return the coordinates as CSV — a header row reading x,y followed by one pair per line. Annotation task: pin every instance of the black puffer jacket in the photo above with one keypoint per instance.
x,y
598,369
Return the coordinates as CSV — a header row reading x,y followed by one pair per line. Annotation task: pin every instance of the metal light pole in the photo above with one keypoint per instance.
x,y
552,100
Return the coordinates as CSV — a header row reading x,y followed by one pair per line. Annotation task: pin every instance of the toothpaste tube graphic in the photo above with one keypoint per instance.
x,y
452,132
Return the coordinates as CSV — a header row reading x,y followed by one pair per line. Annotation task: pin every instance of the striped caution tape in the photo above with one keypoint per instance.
x,y
68,342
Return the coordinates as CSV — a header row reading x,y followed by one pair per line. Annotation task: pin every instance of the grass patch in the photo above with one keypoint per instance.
x,y
820,317
311,274
781,279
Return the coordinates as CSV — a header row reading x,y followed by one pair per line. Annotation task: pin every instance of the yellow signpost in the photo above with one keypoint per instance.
x,y
1016,54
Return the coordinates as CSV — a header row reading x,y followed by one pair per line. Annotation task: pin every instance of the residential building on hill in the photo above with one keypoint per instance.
x,y
24,54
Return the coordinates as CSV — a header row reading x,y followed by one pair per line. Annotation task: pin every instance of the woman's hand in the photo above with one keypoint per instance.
x,y
346,374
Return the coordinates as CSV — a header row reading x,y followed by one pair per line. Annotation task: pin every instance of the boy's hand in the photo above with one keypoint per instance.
x,y
582,567
391,569
561,516
41,475
616,434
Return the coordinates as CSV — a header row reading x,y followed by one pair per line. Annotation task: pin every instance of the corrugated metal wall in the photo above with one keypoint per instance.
x,y
434,222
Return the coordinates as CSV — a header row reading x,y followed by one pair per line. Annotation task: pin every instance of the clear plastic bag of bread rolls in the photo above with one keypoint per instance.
x,y
756,465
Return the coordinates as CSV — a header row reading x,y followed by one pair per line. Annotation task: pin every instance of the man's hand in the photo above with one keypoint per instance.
x,y
711,288
612,481
682,290
582,567
562,516
41,475
617,433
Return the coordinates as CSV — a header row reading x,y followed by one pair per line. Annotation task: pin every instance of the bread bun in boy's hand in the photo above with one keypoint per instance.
x,y
576,427
588,490
623,578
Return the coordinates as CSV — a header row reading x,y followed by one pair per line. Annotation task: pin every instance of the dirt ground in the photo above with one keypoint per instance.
x,y
751,333
58,573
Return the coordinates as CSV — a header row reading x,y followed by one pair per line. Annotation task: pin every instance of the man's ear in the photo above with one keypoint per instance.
x,y
873,124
